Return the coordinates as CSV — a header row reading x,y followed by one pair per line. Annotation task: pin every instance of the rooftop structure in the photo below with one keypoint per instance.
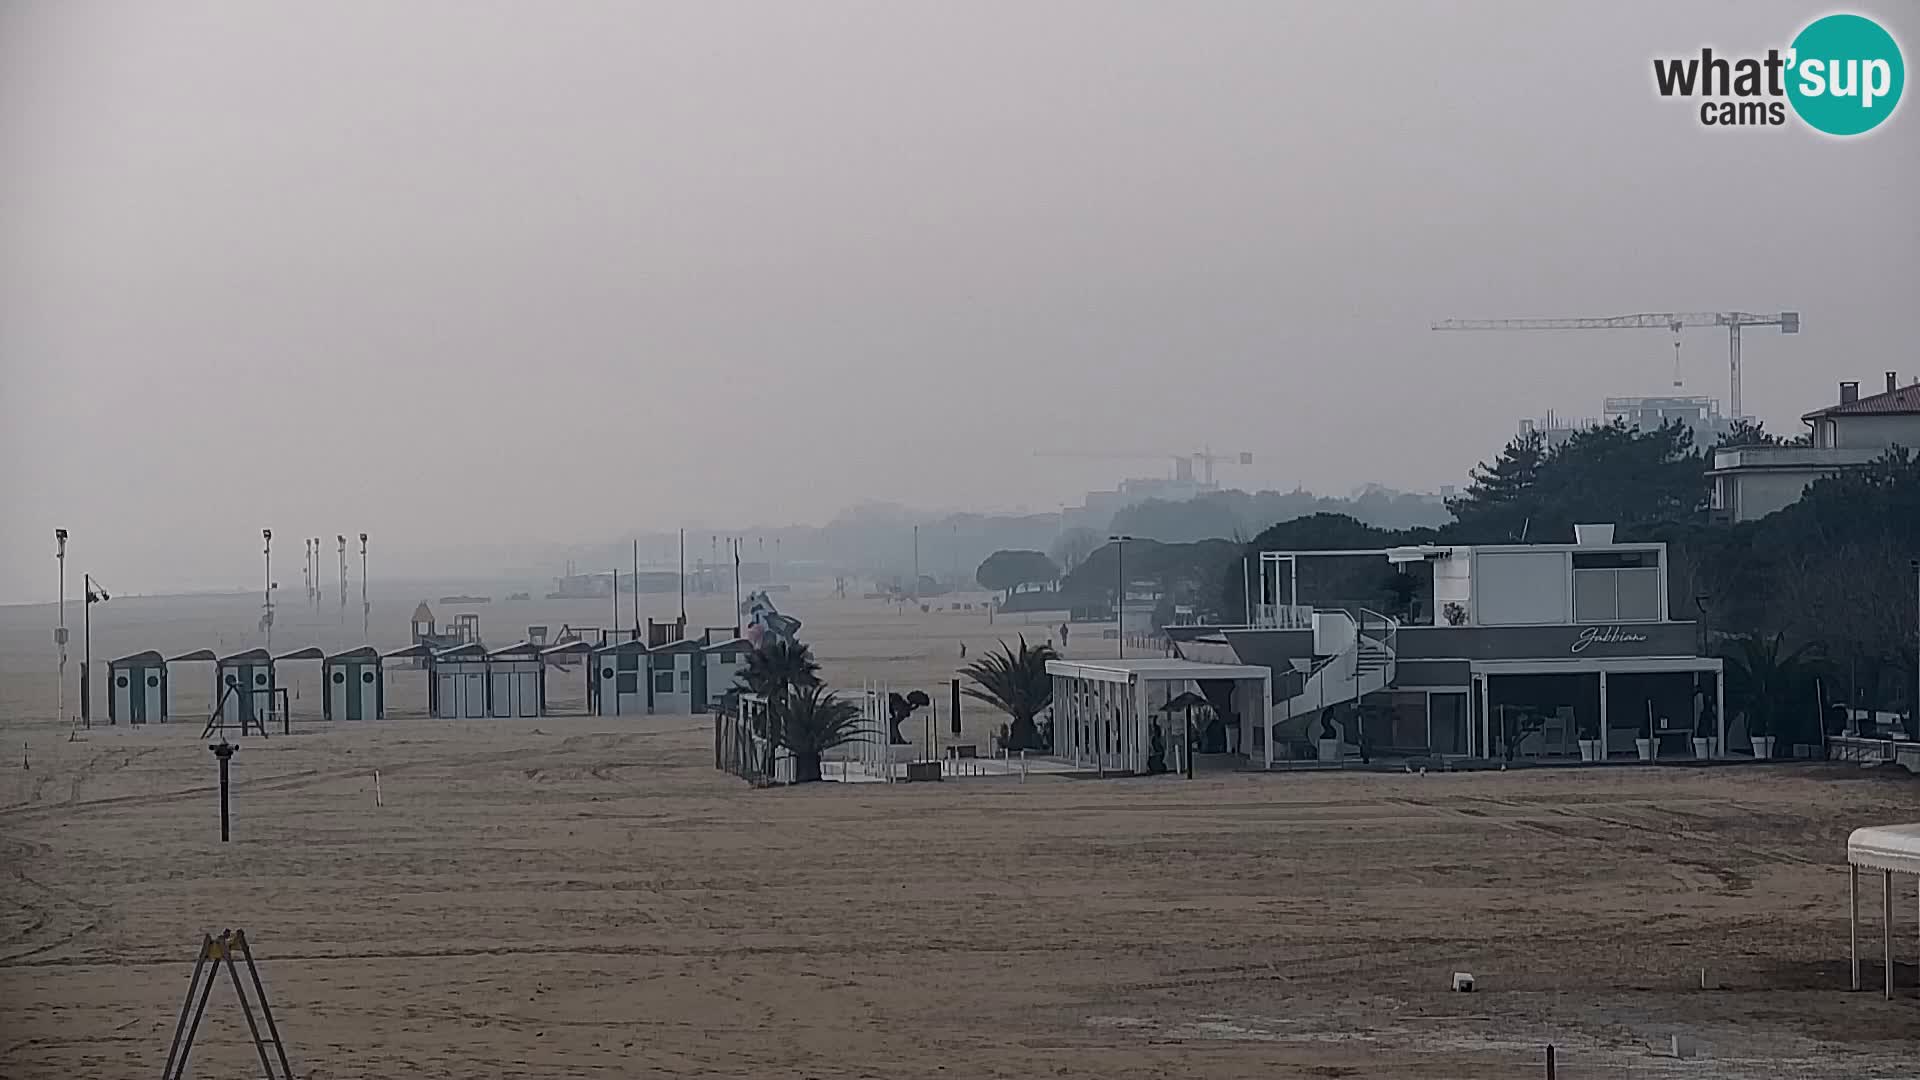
x,y
1750,482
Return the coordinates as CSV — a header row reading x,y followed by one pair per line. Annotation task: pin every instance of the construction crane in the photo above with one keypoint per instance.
x,y
1183,464
1787,321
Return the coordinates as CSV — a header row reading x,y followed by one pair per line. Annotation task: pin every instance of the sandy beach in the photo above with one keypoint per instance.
x,y
587,897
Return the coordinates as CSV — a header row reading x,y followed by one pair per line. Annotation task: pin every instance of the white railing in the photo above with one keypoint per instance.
x,y
1283,616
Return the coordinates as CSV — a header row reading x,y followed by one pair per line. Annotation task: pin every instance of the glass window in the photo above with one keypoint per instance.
x,y
1598,560
627,683
686,681
1593,596
663,682
628,661
1639,594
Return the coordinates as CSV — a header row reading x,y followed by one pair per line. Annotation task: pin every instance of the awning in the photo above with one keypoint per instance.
x,y
250,656
139,659
197,656
1886,847
311,652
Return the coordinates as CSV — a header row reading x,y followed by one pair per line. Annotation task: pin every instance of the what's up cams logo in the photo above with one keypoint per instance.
x,y
1842,76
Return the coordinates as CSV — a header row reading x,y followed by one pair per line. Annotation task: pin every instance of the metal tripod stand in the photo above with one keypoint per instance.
x,y
220,950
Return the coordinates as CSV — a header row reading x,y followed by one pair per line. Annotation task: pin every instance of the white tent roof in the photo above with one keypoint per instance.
x,y
1153,669
1886,847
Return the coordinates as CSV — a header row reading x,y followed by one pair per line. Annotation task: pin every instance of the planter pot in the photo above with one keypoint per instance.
x,y
1589,749
1713,747
1329,749
1763,746
1645,746
1701,748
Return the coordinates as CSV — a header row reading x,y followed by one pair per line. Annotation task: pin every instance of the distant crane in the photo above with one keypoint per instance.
x,y
1787,321
1183,464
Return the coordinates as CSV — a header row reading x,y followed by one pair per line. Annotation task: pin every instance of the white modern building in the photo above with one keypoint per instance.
x,y
1534,648
1750,482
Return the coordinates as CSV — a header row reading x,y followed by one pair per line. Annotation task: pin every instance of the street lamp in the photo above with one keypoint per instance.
x,y
95,595
1120,603
266,593
366,609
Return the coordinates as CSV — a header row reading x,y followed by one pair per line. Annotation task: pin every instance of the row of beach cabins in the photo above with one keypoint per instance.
x,y
665,672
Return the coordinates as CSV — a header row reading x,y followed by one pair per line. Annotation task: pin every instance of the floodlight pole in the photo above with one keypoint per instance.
x,y
60,632
266,592
366,609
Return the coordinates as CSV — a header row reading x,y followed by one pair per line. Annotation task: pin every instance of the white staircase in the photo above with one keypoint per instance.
x,y
1364,665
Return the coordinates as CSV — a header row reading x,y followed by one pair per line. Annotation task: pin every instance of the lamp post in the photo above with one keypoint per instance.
x,y
266,591
1914,565
86,656
366,609
1120,601
60,632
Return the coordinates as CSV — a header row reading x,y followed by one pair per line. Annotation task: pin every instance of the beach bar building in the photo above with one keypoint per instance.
x,y
1527,650
139,684
355,685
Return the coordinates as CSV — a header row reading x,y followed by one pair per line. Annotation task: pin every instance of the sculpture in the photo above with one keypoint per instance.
x,y
898,709
764,623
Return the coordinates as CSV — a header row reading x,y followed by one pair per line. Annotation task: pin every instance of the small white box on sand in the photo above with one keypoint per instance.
x,y
1463,982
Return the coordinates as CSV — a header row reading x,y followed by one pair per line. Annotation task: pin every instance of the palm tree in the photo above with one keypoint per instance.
x,y
808,722
1761,676
777,667
774,671
1017,684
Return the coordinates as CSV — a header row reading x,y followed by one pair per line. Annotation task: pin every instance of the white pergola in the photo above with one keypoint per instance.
x,y
1104,710
1890,849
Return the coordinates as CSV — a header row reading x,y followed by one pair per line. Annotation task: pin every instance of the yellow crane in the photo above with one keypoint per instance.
x,y
1787,321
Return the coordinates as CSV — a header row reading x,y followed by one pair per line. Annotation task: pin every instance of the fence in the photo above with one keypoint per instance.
x,y
741,748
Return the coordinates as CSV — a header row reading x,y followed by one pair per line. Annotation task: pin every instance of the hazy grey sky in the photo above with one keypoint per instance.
x,y
569,270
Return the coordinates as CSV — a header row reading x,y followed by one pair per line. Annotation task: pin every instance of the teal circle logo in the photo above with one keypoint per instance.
x,y
1846,75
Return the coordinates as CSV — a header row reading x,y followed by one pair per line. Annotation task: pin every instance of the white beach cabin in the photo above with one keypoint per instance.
x,y
619,671
459,682
516,681
355,685
139,685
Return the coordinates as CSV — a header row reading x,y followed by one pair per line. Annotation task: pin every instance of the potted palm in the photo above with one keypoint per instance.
x,y
1702,736
1758,675
1329,737
809,721
1589,738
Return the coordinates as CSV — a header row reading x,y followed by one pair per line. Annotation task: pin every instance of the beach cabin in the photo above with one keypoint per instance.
x,y
139,685
619,669
720,662
356,687
671,670
243,684
459,682
516,681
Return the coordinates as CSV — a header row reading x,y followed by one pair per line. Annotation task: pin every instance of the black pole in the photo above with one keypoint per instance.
x,y
224,751
1550,1062
86,657
956,706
